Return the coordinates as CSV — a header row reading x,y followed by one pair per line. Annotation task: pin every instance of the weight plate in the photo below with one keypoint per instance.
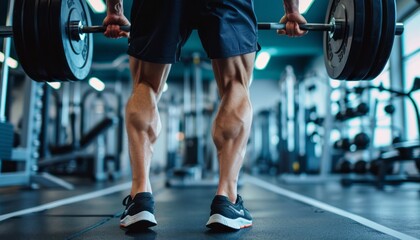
x,y
39,38
81,52
31,30
373,25
387,39
23,14
58,60
342,54
74,57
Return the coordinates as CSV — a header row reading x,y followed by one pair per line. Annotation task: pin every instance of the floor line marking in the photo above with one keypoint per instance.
x,y
66,201
310,201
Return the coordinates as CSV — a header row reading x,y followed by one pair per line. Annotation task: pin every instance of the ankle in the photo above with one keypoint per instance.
x,y
140,189
230,195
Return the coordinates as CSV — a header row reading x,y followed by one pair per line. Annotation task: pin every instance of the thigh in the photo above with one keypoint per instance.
x,y
158,30
233,72
228,28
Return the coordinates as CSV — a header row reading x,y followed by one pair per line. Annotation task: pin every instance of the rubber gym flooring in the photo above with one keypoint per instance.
x,y
182,212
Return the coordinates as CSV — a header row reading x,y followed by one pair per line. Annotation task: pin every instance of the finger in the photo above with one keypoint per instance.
x,y
281,32
124,34
290,29
108,31
114,31
297,31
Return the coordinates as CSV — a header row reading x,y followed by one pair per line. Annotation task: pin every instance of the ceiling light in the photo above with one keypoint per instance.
x,y
262,60
97,84
304,5
55,85
10,61
98,6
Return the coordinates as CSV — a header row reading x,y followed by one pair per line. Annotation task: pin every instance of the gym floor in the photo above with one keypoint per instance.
x,y
316,211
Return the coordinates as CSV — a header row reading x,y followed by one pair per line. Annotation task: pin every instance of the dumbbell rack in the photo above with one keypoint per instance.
x,y
401,152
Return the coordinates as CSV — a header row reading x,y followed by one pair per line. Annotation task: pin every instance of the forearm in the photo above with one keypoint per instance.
x,y
115,7
291,6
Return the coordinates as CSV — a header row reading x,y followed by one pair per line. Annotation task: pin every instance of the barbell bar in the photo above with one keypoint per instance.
x,y
54,31
7,31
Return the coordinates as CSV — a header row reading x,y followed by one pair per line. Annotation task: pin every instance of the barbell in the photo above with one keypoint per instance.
x,y
53,43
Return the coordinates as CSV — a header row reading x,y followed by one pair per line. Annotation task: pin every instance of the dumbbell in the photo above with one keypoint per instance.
x,y
360,167
361,141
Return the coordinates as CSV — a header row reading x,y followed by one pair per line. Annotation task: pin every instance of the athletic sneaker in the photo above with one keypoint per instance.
x,y
138,212
225,215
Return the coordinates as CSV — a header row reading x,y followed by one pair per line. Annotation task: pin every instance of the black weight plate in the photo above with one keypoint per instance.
x,y
74,57
57,61
30,23
43,35
387,38
341,55
373,24
22,35
46,36
39,39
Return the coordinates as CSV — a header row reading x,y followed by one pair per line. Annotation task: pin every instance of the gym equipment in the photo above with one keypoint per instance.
x,y
343,144
362,109
6,140
400,151
345,166
375,167
390,109
52,43
360,167
267,160
362,141
195,168
397,93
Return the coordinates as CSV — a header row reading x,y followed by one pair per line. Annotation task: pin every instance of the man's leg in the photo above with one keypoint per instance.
x,y
142,119
143,127
230,134
233,121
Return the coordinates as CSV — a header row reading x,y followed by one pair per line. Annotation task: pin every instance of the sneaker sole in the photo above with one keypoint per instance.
x,y
221,223
140,220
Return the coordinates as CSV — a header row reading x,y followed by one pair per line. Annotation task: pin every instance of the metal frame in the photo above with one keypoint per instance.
x,y
325,165
27,153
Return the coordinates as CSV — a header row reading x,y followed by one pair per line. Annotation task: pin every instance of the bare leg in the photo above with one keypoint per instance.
x,y
142,119
233,121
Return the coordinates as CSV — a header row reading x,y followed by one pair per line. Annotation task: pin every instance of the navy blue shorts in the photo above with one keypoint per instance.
x,y
159,28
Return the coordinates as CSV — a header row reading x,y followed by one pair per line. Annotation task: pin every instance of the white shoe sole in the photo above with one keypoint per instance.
x,y
145,219
216,220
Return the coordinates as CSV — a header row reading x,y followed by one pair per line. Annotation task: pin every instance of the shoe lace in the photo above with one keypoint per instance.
x,y
126,200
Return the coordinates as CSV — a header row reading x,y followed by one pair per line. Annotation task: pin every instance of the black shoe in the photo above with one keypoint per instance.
x,y
138,212
227,216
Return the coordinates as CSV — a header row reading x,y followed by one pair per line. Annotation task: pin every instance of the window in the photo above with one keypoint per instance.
x,y
383,129
411,63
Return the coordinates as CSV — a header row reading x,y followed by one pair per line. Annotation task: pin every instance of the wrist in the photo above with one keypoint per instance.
x,y
291,6
115,8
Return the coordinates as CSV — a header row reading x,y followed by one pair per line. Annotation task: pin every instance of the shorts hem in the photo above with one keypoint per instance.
x,y
234,54
151,59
